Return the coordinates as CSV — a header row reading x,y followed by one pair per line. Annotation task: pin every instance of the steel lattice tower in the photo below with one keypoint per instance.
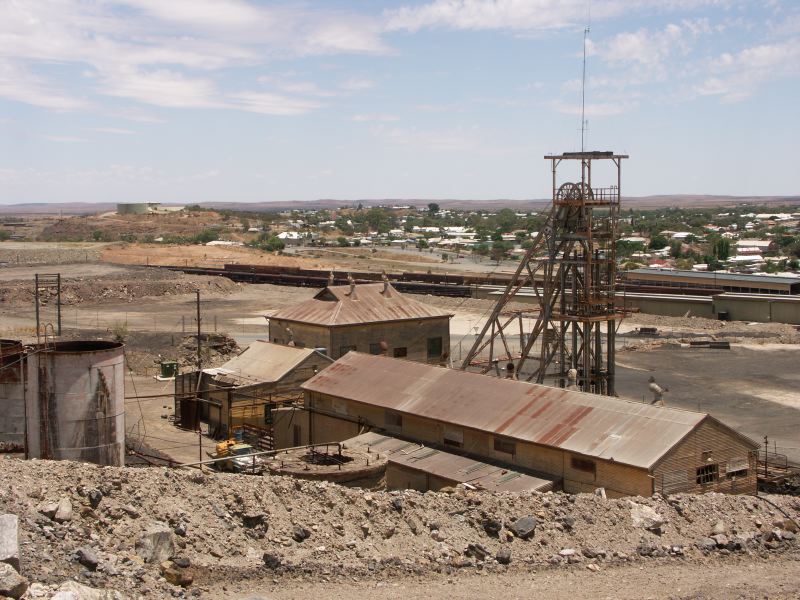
x,y
571,271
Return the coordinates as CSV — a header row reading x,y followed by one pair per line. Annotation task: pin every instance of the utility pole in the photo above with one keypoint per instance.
x,y
36,301
58,301
199,379
199,356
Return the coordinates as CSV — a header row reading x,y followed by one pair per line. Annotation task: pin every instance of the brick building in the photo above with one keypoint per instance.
x,y
372,318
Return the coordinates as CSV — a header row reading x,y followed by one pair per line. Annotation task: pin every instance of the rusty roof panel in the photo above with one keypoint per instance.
x,y
336,306
458,469
628,432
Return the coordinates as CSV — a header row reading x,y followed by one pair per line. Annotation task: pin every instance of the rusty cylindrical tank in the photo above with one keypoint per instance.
x,y
12,394
75,402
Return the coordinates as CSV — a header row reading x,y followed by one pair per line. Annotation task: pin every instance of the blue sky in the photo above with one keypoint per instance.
x,y
245,100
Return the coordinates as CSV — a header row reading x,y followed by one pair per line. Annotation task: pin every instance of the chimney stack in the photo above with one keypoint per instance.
x,y
385,284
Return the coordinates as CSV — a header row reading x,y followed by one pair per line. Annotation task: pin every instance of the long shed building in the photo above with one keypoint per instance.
x,y
697,281
584,440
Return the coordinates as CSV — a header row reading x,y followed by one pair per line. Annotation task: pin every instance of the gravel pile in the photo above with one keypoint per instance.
x,y
158,532
38,255
115,288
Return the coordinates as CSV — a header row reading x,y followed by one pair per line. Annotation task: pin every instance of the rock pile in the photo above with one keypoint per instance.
x,y
177,532
125,287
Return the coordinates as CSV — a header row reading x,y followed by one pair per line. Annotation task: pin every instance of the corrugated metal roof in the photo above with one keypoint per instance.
x,y
628,432
335,305
720,277
450,466
262,362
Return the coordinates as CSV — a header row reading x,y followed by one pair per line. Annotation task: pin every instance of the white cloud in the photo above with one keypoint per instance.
x,y
170,53
64,139
489,14
161,88
114,130
355,84
737,76
19,84
525,15
454,139
213,13
648,48
595,109
271,104
367,118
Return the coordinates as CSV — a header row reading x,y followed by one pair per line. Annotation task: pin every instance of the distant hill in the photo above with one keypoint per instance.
x,y
646,202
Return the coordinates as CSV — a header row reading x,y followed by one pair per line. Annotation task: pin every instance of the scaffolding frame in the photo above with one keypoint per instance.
x,y
574,257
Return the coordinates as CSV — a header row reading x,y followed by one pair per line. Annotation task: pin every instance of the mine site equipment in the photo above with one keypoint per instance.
x,y
232,455
45,285
75,402
571,270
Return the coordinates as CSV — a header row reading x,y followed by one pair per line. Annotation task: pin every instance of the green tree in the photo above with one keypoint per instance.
x,y
506,220
481,249
626,248
657,242
500,250
4,235
342,241
433,208
274,243
422,244
720,247
205,236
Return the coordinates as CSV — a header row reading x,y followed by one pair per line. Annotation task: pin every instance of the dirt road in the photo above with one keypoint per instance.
x,y
734,579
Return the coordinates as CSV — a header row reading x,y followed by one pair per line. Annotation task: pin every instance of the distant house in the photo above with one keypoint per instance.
x,y
374,318
291,238
746,246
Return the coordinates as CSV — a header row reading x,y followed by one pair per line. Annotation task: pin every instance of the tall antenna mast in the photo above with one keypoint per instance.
x,y
583,91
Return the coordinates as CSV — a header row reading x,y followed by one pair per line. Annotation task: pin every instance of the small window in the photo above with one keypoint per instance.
x,y
393,420
737,467
505,446
583,464
434,347
707,474
345,349
400,352
375,348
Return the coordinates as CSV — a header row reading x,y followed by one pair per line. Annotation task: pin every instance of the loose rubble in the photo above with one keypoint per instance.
x,y
157,532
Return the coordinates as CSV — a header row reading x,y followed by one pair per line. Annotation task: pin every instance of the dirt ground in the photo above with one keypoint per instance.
x,y
733,581
307,258
201,256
